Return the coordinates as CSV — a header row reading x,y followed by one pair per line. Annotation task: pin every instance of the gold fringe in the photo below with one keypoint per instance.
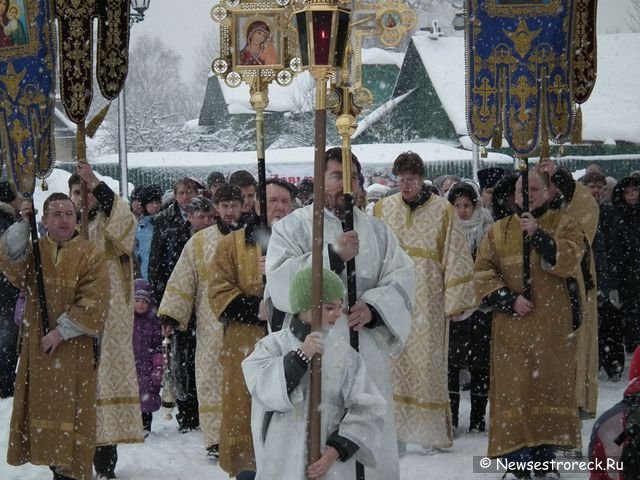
x,y
496,141
94,124
544,148
576,135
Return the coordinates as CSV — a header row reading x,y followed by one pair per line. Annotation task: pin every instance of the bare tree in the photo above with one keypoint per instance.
x,y
634,16
157,105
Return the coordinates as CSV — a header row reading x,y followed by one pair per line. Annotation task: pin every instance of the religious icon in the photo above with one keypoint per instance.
x,y
260,44
12,23
391,19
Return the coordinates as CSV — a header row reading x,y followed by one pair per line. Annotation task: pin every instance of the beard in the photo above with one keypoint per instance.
x,y
337,204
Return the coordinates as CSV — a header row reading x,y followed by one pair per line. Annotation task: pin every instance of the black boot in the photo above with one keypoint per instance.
x,y
454,401
105,460
478,409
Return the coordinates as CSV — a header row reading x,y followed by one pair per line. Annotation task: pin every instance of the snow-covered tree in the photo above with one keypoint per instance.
x,y
634,16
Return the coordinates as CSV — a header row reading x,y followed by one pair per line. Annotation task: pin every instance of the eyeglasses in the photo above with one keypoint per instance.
x,y
408,181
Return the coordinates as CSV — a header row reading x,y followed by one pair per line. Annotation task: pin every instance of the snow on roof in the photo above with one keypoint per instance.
x,y
373,154
300,95
611,111
379,56
297,97
379,113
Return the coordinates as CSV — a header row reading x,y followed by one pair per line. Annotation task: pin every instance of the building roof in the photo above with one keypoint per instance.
x,y
610,113
300,95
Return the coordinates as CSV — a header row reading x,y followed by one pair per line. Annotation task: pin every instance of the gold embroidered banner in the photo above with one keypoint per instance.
x,y
75,19
585,48
519,71
26,87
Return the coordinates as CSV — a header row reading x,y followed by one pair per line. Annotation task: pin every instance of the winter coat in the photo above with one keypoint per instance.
x,y
144,234
603,450
170,234
147,349
8,293
627,233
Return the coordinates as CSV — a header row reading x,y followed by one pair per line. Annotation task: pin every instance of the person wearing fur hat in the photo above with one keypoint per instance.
x,y
277,376
487,178
147,349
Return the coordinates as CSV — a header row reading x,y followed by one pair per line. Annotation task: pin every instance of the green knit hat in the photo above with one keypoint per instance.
x,y
300,290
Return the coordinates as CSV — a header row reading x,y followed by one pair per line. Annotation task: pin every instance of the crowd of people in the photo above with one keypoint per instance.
x,y
195,294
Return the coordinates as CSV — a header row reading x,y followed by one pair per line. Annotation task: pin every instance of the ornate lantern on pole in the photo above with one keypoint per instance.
x,y
323,30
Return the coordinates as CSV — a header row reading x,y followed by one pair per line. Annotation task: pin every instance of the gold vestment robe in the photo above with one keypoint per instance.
x,y
533,358
432,238
235,272
188,290
53,421
585,211
119,414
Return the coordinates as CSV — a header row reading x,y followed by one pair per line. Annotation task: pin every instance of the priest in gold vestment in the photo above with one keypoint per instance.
x,y
112,227
237,287
427,230
54,411
533,351
575,200
187,293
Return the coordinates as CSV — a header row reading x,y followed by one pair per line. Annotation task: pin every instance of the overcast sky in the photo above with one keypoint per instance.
x,y
182,25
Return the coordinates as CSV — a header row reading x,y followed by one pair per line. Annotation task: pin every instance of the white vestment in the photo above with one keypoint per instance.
x,y
351,404
385,278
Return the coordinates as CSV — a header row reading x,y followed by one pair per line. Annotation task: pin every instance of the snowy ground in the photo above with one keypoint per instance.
x,y
169,455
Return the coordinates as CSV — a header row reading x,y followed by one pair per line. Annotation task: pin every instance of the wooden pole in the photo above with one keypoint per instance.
x,y
346,125
315,393
259,100
526,243
42,299
81,154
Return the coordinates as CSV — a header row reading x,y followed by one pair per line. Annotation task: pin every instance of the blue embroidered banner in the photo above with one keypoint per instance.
x,y
26,91
519,60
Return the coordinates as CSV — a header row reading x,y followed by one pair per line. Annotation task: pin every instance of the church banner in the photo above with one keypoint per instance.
x,y
585,42
519,69
75,19
26,91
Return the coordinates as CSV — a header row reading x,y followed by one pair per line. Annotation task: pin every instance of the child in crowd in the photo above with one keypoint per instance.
x,y
277,377
147,348
469,341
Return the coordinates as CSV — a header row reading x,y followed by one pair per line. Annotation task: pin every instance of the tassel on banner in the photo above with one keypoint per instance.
x,y
496,141
561,151
544,148
576,135
483,152
45,185
94,124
